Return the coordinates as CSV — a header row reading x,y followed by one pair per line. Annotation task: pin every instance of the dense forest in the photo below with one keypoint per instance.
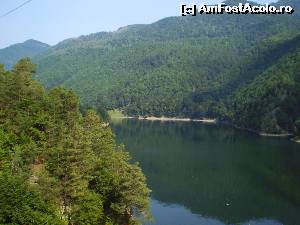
x,y
242,69
59,165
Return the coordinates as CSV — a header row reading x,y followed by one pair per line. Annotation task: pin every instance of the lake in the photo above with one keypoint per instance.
x,y
208,174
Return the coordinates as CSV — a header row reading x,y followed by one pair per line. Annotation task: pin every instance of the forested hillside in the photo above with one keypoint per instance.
x,y
220,66
58,166
10,55
271,102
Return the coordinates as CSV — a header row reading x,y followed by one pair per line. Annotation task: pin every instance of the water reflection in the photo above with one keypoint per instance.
x,y
179,215
208,174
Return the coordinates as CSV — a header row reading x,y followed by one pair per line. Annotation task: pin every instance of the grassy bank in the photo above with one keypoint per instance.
x,y
116,114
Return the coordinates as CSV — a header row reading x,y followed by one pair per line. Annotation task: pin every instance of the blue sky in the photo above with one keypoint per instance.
x,y
51,21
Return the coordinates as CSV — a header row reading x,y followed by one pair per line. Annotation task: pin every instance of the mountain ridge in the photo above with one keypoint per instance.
x,y
29,48
186,67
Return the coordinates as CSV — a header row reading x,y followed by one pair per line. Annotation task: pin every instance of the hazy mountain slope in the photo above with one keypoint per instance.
x,y
134,52
178,66
10,55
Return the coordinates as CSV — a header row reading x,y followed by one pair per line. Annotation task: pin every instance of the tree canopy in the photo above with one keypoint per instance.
x,y
58,166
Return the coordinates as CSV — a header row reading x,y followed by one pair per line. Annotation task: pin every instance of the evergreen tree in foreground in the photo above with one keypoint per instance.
x,y
58,166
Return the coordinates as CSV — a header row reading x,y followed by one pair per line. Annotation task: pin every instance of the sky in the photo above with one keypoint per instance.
x,y
51,21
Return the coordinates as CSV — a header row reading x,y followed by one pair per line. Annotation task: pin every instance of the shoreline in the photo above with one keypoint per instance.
x,y
207,120
153,118
169,119
275,135
296,140
262,134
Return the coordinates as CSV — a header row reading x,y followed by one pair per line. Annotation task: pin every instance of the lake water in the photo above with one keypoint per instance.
x,y
202,174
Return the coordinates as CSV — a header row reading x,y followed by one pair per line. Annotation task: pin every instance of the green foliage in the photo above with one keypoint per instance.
x,y
271,102
89,210
102,112
180,66
124,184
21,203
51,153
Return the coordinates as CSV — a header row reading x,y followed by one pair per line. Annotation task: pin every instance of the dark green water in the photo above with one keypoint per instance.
x,y
214,175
